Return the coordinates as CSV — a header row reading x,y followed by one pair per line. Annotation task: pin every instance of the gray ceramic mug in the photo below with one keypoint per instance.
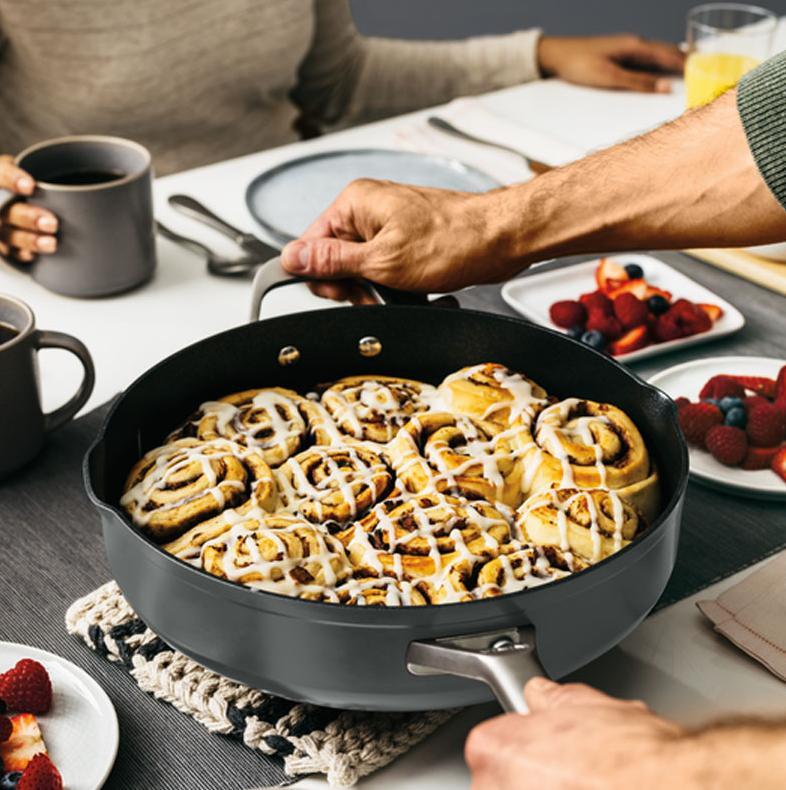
x,y
23,425
100,188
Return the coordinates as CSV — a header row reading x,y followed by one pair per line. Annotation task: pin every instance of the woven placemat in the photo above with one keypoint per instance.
x,y
343,745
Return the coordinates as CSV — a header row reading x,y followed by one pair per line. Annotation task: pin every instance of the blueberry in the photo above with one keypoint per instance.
x,y
736,417
713,401
576,331
658,304
634,271
593,338
9,780
728,403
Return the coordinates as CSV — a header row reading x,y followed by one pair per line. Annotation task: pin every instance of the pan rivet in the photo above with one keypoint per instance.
x,y
369,346
502,645
288,355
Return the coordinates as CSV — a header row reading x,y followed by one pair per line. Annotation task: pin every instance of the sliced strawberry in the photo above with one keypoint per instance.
x,y
610,275
41,774
759,457
636,338
778,464
639,288
760,385
25,742
712,310
780,386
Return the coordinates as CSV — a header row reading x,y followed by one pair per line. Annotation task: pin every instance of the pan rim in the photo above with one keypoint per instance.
x,y
643,544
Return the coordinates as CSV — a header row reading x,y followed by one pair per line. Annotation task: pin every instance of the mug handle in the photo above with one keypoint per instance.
x,y
46,339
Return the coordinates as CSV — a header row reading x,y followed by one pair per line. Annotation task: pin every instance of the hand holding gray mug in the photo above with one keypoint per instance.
x,y
88,229
23,425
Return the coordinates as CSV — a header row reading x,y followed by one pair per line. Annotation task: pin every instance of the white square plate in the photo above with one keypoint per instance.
x,y
533,296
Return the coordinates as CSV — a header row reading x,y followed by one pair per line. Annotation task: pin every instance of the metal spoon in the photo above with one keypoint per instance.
x,y
448,128
221,267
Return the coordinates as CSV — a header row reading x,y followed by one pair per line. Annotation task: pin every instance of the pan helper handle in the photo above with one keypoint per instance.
x,y
503,660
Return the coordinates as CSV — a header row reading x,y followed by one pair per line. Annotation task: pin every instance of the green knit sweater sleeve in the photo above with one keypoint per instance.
x,y
761,101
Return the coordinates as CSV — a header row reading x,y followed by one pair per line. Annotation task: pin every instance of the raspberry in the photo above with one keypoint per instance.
x,y
40,774
696,419
26,687
597,301
691,318
681,401
722,386
766,425
778,464
727,444
758,458
630,311
667,328
568,313
752,401
607,325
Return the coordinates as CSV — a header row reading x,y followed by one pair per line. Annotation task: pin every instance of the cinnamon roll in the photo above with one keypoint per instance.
x,y
367,408
493,393
460,455
378,592
189,481
584,444
333,484
269,421
589,525
278,554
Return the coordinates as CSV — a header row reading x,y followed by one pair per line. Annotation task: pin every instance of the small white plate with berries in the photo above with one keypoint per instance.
x,y
58,727
631,306
732,411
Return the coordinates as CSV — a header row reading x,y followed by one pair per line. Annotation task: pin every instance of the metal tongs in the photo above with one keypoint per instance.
x,y
256,251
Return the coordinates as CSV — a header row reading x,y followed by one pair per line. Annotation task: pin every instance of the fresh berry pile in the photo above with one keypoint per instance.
x,y
26,690
626,313
741,420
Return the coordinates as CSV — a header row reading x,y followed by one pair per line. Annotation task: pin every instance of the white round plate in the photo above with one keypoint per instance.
x,y
687,380
80,730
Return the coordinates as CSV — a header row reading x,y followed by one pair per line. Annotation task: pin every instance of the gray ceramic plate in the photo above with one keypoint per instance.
x,y
286,199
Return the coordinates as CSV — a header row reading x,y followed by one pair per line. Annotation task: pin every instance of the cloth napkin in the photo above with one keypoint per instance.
x,y
752,615
471,116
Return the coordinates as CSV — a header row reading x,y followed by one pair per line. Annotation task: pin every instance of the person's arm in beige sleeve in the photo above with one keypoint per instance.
x,y
692,183
347,77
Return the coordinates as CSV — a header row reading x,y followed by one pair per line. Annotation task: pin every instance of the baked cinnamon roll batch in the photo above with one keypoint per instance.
x,y
382,491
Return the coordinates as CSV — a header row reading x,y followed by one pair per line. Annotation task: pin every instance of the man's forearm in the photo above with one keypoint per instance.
x,y
691,183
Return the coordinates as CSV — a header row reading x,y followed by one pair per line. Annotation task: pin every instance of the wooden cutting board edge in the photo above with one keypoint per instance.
x,y
768,274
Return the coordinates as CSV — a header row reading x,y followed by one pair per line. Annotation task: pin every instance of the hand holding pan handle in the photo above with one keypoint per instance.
x,y
272,275
503,660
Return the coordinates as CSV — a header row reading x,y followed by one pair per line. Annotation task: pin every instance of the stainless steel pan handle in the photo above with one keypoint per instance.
x,y
503,660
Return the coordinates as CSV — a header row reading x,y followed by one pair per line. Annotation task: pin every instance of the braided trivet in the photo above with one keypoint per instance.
x,y
344,745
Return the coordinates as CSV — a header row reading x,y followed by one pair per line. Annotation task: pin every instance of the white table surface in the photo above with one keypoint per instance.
x,y
674,660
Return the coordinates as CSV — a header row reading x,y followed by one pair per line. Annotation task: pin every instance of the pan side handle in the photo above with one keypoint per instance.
x,y
503,660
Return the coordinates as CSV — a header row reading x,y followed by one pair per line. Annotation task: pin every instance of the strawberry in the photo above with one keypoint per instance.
x,y
722,386
40,774
696,419
778,464
766,425
640,289
597,300
26,687
780,386
607,325
667,328
630,310
25,742
568,313
633,340
610,275
758,458
727,444
759,385
6,728
712,310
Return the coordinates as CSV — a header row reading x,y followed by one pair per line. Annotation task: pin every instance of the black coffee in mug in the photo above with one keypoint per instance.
x,y
7,332
84,177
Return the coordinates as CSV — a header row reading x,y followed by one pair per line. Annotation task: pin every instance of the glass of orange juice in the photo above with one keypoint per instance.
x,y
725,40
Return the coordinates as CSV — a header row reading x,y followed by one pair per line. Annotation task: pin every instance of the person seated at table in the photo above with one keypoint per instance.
x,y
198,81
714,177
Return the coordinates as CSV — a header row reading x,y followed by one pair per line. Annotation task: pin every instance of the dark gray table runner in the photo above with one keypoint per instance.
x,y
52,554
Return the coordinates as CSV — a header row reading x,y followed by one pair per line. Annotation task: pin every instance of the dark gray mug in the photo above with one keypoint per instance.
x,y
100,188
22,423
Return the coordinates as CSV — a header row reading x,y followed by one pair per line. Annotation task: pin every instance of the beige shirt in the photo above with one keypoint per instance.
x,y
202,80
